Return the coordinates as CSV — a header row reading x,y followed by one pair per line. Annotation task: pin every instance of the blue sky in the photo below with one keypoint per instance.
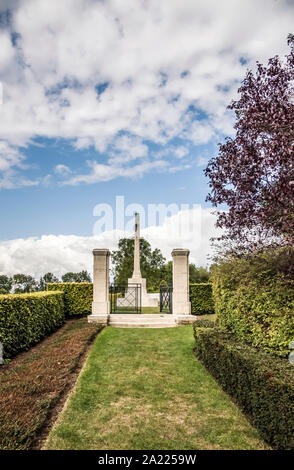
x,y
101,99
53,207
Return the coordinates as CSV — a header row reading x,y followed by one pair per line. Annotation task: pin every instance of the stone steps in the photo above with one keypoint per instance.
x,y
141,325
138,316
141,321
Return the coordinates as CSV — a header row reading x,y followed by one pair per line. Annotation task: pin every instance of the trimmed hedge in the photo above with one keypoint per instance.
x,y
261,384
255,301
201,298
27,318
204,323
78,296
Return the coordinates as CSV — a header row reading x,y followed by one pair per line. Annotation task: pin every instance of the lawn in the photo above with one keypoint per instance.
x,y
144,389
132,310
150,309
34,384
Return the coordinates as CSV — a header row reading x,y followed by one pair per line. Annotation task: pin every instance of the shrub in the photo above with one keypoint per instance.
x,y
201,298
205,323
27,318
261,384
254,300
78,296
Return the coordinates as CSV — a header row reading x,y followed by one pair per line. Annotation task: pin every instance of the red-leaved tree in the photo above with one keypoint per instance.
x,y
253,173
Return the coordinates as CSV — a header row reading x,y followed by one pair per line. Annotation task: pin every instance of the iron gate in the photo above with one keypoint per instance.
x,y
166,295
125,299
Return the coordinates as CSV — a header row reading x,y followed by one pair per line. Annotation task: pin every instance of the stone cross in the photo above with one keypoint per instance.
x,y
137,270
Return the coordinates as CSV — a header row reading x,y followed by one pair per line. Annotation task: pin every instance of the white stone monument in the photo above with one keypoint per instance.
x,y
100,304
181,302
147,300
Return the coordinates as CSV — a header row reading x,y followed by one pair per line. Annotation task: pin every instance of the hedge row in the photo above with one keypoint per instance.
x,y
78,296
201,298
27,318
262,384
255,303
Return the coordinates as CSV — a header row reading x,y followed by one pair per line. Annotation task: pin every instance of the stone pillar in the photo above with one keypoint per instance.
x,y
100,304
181,306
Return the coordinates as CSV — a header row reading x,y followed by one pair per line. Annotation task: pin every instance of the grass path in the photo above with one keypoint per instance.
x,y
144,389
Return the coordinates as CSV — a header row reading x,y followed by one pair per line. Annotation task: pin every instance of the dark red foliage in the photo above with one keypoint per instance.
x,y
253,173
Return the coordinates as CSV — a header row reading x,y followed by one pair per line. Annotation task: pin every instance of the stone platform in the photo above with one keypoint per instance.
x,y
141,320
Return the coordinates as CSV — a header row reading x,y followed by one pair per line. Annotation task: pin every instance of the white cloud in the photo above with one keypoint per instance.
x,y
126,148
157,59
62,169
202,161
199,133
11,159
101,172
62,253
12,180
181,151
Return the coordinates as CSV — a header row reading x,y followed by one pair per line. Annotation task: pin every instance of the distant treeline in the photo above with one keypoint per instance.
x,y
21,283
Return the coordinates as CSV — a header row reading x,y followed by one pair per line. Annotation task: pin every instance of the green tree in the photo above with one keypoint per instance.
x,y
48,277
195,274
198,274
167,272
82,276
24,283
5,284
152,262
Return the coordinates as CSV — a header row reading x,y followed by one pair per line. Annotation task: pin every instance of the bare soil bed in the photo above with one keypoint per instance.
x,y
35,384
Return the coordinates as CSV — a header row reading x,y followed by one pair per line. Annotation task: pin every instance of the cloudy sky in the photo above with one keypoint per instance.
x,y
107,98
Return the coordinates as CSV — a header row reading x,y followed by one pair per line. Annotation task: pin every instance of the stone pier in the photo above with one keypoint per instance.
x,y
100,304
181,307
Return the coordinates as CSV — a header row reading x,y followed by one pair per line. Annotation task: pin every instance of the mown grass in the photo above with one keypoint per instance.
x,y
144,389
150,309
34,383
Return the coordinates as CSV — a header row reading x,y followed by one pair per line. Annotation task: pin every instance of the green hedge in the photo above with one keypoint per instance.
x,y
255,301
27,318
201,298
78,296
261,384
